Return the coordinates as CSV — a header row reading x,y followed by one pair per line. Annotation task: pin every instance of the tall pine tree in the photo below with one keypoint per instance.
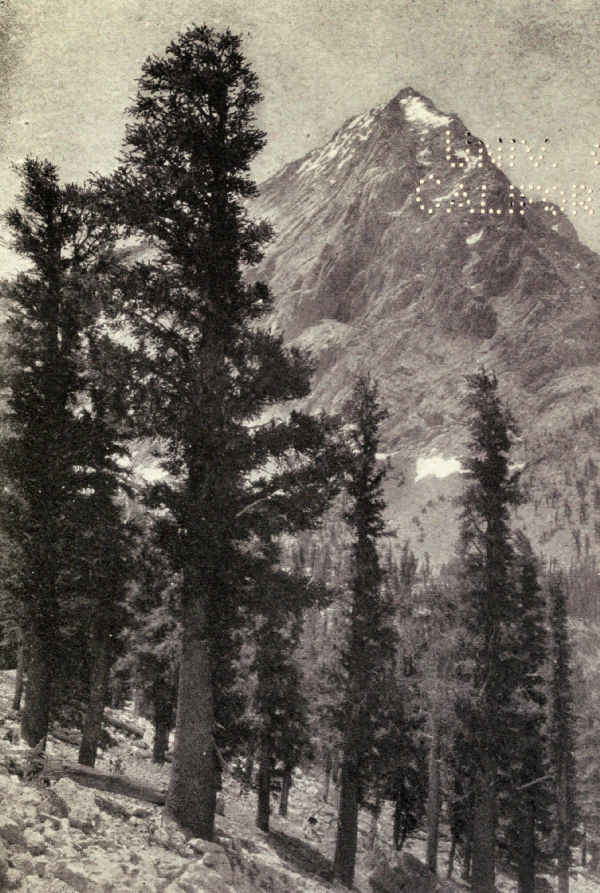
x,y
491,609
55,448
206,368
368,653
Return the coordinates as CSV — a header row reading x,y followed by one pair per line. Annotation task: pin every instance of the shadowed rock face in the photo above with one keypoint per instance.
x,y
396,252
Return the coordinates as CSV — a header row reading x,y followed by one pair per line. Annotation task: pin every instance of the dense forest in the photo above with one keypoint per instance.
x,y
175,535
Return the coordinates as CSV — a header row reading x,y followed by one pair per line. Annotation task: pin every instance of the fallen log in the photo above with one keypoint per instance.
x,y
51,769
123,724
119,810
112,808
102,781
67,736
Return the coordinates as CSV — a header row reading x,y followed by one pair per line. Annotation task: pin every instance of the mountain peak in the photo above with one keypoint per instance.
x,y
408,96
402,248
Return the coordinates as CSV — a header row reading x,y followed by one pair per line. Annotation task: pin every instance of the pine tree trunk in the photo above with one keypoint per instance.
x,y
263,806
347,831
397,827
373,827
335,767
467,855
563,849
160,743
163,720
191,799
433,794
286,783
20,675
38,687
327,776
249,770
138,700
484,828
92,724
451,856
527,848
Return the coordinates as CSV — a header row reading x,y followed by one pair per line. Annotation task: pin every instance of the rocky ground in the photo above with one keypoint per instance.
x,y
63,837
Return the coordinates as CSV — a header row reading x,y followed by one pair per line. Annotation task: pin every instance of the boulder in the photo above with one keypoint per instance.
x,y
199,846
264,871
12,732
76,876
13,879
170,836
11,832
23,862
197,877
406,874
40,866
82,811
169,867
218,860
34,841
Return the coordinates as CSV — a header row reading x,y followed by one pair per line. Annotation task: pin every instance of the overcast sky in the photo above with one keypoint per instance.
x,y
526,69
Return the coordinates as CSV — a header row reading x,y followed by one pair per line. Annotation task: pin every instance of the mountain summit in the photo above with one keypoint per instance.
x,y
401,249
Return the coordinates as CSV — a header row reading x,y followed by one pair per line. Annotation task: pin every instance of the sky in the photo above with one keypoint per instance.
x,y
511,69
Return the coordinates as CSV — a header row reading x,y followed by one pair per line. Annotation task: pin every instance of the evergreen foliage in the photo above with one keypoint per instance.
x,y
150,659
367,657
279,727
525,787
59,451
491,614
207,372
561,730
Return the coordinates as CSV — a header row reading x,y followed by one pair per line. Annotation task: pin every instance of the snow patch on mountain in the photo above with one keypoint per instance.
x,y
356,131
474,237
416,111
437,466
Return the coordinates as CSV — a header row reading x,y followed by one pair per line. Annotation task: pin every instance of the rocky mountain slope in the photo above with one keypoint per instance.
x,y
58,836
402,250
61,837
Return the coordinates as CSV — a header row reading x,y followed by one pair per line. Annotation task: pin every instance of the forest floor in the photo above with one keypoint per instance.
x,y
71,839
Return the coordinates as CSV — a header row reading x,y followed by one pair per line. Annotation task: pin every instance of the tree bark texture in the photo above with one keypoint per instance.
x,y
92,724
263,807
192,793
286,783
563,850
163,720
433,794
38,687
484,828
527,848
345,847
